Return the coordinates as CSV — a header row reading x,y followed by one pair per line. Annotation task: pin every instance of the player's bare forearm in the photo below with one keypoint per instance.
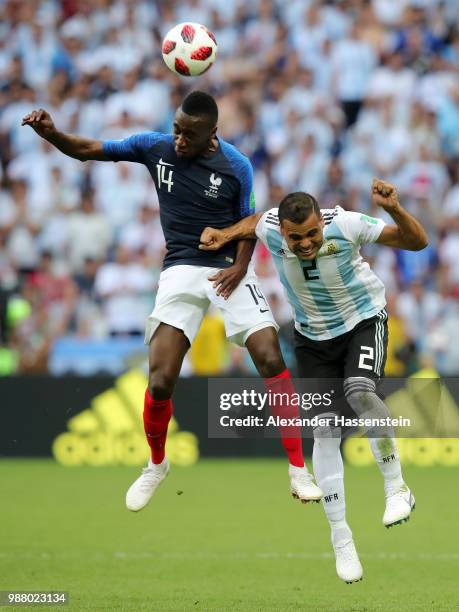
x,y
243,229
407,233
213,239
77,147
413,236
226,281
244,252
73,146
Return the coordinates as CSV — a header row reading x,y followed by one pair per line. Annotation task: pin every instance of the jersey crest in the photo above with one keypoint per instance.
x,y
329,247
215,182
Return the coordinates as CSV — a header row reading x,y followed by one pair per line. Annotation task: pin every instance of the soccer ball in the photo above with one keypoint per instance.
x,y
189,49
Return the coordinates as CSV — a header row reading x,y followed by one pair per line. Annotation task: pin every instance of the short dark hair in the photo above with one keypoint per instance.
x,y
200,103
297,207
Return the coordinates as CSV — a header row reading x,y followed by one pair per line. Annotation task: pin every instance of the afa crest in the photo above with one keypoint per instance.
x,y
329,247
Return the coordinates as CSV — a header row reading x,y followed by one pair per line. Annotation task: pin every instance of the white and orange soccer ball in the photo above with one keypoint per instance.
x,y
189,49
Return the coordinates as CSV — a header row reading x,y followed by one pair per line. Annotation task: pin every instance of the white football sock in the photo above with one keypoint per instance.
x,y
388,461
360,393
329,472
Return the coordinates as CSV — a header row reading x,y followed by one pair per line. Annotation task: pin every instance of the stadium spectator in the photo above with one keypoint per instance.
x,y
144,233
89,234
420,309
50,289
125,288
353,60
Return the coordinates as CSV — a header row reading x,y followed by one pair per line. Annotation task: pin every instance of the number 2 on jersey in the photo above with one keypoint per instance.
x,y
311,272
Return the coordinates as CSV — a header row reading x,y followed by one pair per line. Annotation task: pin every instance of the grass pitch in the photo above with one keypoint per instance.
x,y
223,535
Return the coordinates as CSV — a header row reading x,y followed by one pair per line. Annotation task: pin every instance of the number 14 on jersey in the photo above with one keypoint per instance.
x,y
162,180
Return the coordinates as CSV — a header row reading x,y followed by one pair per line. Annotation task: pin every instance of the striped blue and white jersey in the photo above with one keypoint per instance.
x,y
331,294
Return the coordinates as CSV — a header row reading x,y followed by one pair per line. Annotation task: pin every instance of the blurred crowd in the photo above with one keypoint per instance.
x,y
322,95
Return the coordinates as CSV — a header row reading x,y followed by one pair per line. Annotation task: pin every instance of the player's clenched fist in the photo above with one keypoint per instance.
x,y
212,239
384,194
40,120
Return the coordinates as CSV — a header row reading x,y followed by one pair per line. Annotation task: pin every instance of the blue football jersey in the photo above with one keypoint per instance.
x,y
213,191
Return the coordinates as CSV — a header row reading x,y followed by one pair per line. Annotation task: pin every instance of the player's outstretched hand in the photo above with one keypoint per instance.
x,y
384,195
40,120
212,239
225,281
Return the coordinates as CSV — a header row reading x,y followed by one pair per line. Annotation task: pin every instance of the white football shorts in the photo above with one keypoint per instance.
x,y
185,293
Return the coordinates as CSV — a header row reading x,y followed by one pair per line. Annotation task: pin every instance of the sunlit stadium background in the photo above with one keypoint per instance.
x,y
321,95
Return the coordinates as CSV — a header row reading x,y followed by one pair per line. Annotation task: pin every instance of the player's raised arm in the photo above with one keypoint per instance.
x,y
73,146
213,239
407,233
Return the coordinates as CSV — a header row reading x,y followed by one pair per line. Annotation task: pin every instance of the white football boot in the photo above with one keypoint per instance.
x,y
141,491
302,485
399,505
348,566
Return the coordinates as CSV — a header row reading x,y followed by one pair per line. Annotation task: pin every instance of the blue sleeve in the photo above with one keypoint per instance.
x,y
244,173
133,148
